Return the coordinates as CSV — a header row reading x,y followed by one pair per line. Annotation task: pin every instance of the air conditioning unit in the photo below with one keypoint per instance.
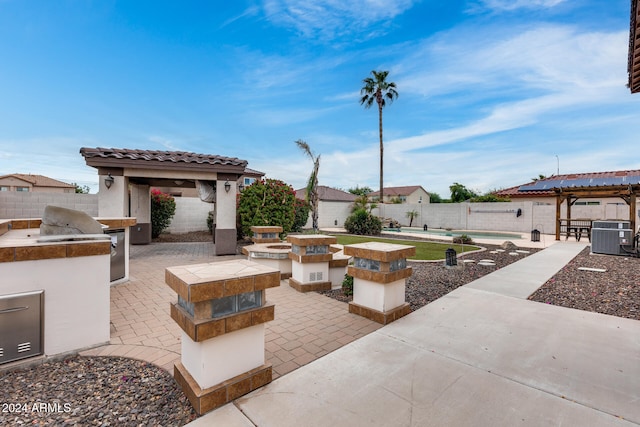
x,y
618,225
608,240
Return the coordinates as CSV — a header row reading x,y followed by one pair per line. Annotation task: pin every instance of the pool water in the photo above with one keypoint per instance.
x,y
456,233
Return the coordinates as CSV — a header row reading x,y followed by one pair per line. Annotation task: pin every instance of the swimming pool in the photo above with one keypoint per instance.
x,y
471,233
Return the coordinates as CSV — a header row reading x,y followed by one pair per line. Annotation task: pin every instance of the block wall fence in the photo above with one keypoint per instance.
x,y
191,213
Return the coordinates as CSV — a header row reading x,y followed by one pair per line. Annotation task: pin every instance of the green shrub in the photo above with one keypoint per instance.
x,y
463,239
302,215
363,223
347,285
163,207
270,202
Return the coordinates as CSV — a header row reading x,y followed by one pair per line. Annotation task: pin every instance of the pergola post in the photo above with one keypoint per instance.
x,y
558,206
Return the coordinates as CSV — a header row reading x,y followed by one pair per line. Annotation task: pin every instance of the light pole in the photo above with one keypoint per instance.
x,y
420,203
558,170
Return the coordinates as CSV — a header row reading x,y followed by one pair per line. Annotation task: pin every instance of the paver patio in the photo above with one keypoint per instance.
x,y
306,326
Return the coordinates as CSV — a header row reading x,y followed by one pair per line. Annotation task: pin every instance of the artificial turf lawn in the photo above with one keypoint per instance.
x,y
426,251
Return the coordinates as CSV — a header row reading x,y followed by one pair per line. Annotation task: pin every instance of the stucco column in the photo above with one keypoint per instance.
x,y
226,236
141,210
113,201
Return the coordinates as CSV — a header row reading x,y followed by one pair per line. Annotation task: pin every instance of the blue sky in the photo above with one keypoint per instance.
x,y
491,91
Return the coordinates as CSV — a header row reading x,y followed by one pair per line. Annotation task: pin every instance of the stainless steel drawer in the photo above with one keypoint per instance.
x,y
21,325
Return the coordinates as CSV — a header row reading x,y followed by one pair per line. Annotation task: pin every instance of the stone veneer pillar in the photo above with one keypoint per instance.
x,y
310,256
266,234
221,310
379,280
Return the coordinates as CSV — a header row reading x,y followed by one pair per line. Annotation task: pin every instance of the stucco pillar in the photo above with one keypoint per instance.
x,y
141,210
225,234
113,201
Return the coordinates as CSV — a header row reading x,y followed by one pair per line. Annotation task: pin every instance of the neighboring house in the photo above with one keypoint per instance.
x,y
333,206
412,194
541,192
34,183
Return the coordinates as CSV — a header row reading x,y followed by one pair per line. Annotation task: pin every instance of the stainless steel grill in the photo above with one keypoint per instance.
x,y
21,330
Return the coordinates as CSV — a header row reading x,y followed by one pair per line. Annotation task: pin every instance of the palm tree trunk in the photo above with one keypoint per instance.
x,y
381,153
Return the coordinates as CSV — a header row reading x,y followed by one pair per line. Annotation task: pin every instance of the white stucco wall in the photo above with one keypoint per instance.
x,y
191,215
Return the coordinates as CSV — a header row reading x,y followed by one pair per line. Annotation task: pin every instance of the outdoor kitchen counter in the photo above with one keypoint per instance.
x,y
19,241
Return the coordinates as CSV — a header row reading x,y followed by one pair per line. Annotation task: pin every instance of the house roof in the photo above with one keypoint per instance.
x,y
39,180
633,65
123,157
398,191
328,194
253,172
545,187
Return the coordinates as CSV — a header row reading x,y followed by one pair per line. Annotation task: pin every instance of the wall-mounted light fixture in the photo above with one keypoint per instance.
x,y
240,187
108,181
227,186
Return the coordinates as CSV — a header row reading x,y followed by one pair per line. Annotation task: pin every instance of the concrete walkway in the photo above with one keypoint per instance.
x,y
306,326
482,355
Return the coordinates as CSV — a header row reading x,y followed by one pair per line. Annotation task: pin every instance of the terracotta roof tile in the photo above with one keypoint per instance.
x,y
160,156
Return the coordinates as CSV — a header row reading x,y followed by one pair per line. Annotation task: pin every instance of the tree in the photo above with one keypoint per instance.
x,y
362,203
435,198
411,215
377,89
540,176
460,193
81,189
311,194
270,202
360,191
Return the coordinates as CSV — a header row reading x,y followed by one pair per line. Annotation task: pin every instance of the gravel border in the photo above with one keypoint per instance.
x,y
93,391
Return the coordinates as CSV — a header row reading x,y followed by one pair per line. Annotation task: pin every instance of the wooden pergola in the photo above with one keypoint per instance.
x,y
628,193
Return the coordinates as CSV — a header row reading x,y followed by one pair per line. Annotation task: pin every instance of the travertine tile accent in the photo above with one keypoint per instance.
x,y
385,252
379,276
200,282
306,259
203,329
88,249
383,318
30,253
7,254
311,239
205,400
309,287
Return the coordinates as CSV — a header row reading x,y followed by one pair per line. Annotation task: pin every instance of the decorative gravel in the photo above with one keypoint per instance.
x,y
93,391
582,284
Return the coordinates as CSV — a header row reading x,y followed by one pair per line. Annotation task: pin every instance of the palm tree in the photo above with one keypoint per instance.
x,y
378,89
312,186
411,215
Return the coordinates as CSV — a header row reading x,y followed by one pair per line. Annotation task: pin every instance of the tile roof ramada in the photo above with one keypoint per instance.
x,y
39,180
159,156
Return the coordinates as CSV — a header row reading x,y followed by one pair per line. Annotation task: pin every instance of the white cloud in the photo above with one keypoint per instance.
x,y
509,5
329,19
